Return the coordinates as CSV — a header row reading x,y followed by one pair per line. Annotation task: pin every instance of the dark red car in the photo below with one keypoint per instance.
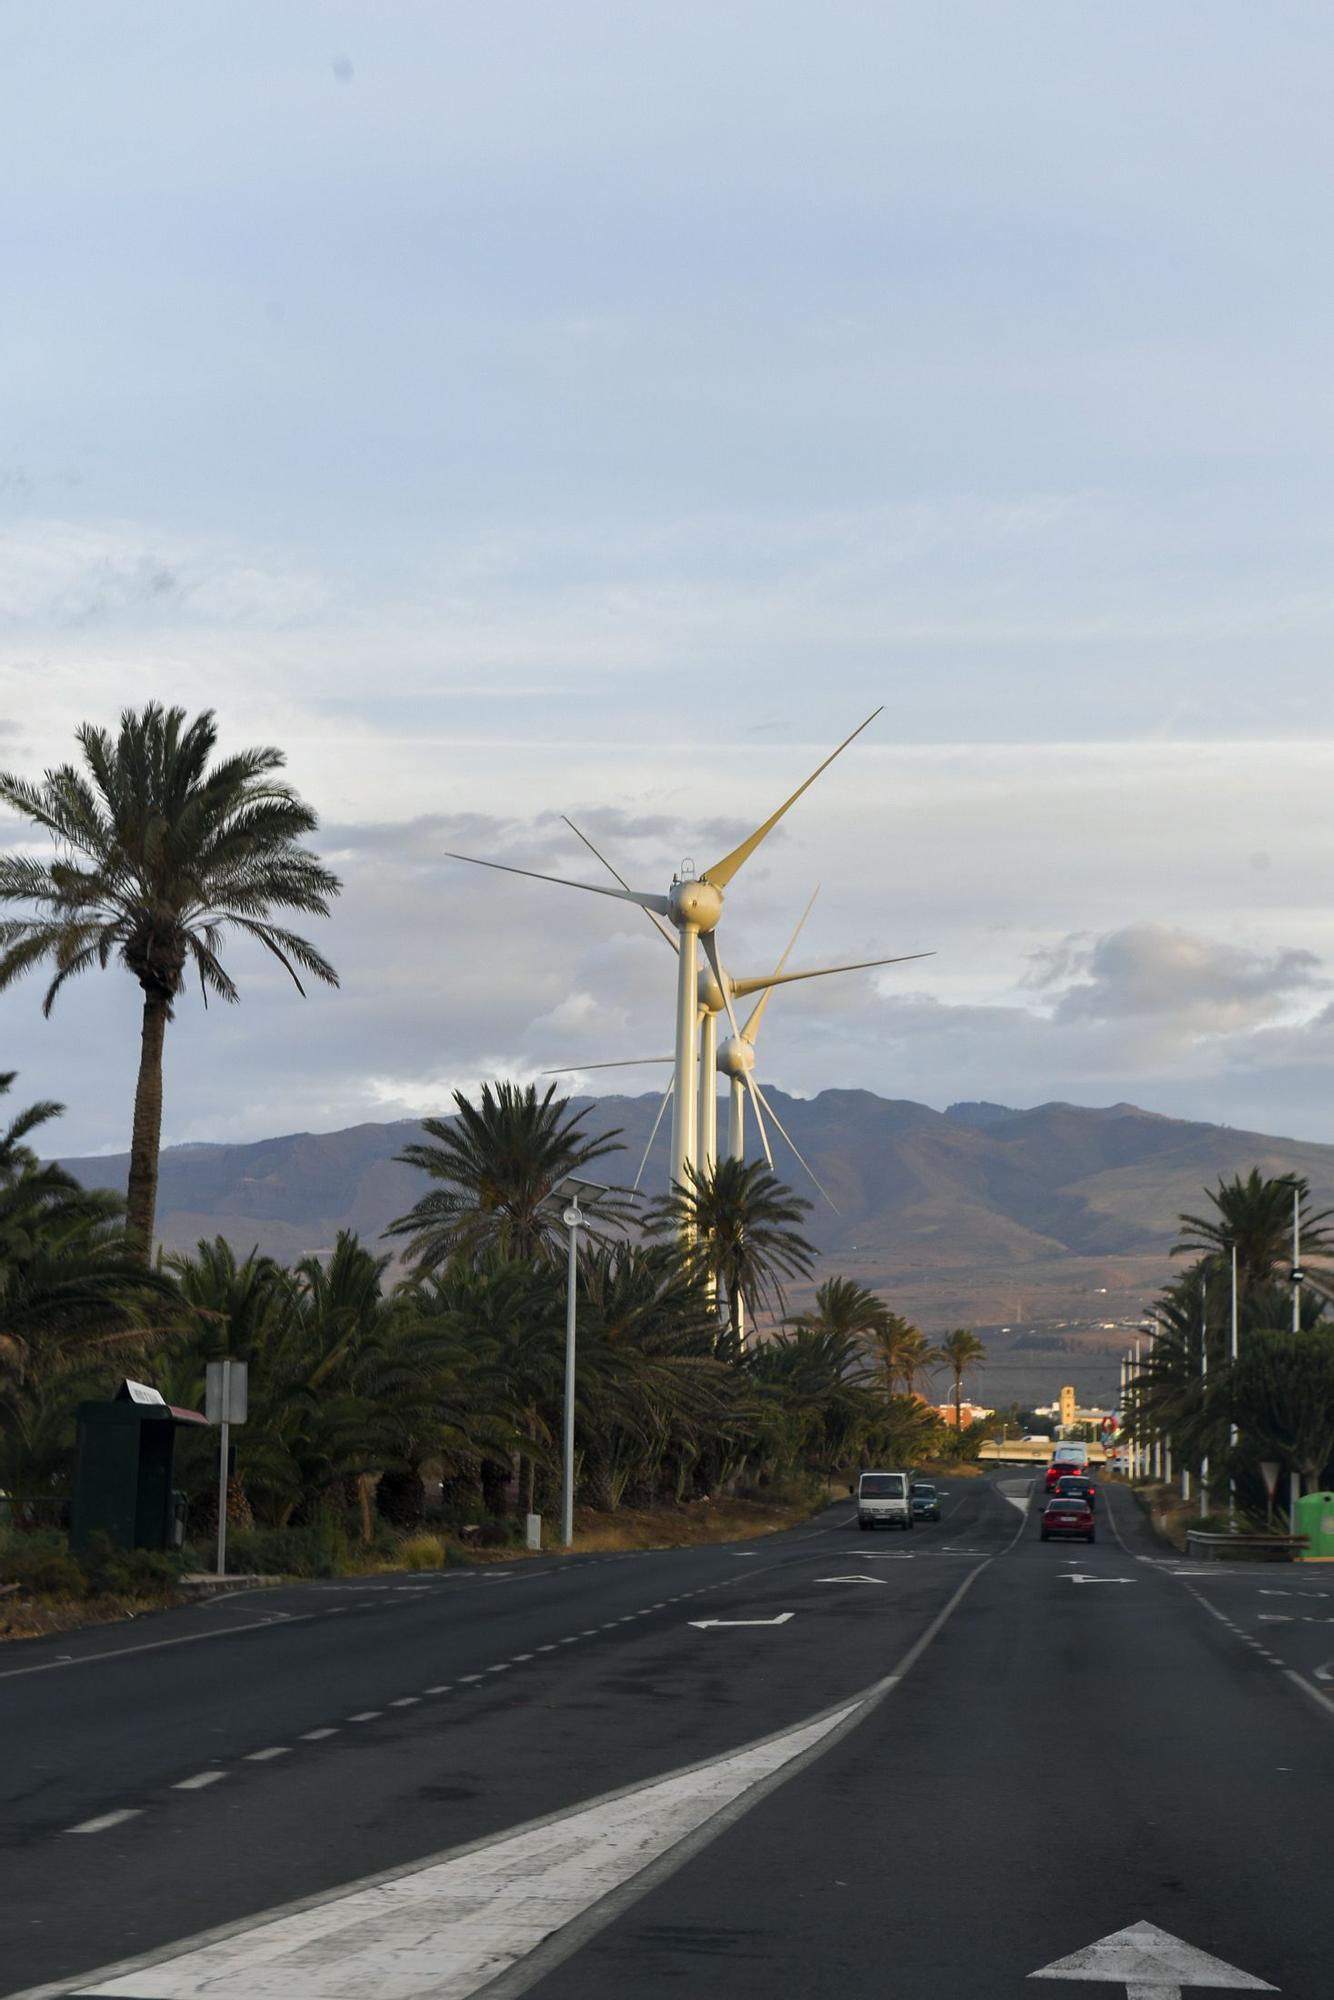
x,y
1068,1518
1060,1468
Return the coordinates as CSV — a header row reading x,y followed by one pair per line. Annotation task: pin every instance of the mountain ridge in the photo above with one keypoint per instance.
x,y
1055,1221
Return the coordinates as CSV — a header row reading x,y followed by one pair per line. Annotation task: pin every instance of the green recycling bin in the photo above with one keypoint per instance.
x,y
1315,1520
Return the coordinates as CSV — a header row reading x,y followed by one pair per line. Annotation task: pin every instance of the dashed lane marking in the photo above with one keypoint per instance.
x,y
365,1715
105,1821
318,1735
198,1782
267,1756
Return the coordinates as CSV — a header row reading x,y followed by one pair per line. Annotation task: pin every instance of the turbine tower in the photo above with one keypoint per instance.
x,y
693,904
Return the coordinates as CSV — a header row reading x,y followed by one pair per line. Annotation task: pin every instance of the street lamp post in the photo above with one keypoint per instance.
x,y
1233,1433
572,1218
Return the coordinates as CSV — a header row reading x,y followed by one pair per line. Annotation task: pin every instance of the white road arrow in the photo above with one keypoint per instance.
x,y
708,1624
1076,1577
1151,1965
848,1579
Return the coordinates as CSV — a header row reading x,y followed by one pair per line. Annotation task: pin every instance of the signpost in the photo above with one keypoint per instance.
x,y
1151,1965
226,1402
1269,1470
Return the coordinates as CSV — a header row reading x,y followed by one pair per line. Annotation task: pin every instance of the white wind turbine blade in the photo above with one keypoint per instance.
x,y
722,871
645,900
797,1150
616,875
666,1100
621,1062
710,943
743,986
751,1028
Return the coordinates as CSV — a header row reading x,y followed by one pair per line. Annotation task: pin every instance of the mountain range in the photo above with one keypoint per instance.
x,y
1048,1229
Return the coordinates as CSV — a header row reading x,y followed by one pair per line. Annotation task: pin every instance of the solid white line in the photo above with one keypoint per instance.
x,y
105,1820
198,1782
267,1756
273,1624
318,1735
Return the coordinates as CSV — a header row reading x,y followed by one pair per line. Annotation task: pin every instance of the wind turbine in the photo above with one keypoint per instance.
x,y
693,904
713,997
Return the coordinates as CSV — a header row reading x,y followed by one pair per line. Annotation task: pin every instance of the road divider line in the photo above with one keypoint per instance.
x,y
267,1756
105,1821
366,1715
318,1735
198,1782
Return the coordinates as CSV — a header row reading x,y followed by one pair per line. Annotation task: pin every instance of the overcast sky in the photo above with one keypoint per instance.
x,y
572,406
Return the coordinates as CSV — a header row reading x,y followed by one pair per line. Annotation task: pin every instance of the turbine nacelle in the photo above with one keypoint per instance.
x,y
736,1058
694,903
711,996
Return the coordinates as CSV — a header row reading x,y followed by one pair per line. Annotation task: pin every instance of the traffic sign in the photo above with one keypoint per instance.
x,y
226,1391
1270,1469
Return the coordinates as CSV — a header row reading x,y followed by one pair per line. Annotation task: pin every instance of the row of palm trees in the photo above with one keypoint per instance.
x,y
1278,1393
377,1393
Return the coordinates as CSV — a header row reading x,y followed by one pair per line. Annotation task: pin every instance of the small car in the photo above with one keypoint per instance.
x,y
1062,1468
1075,1485
1072,1518
925,1500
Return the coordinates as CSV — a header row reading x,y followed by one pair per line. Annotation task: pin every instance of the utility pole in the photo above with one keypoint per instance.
x,y
1204,1391
1233,1432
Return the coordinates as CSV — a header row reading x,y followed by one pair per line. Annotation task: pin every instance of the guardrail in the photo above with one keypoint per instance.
x,y
1244,1548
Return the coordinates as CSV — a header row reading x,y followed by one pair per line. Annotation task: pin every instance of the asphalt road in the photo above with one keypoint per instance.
x,y
988,1753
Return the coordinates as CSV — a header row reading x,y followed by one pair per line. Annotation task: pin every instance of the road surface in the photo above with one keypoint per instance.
x,y
900,1765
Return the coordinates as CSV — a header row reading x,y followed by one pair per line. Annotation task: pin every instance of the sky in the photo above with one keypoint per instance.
x,y
578,408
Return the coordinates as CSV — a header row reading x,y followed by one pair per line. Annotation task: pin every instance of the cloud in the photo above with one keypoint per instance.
x,y
1148,972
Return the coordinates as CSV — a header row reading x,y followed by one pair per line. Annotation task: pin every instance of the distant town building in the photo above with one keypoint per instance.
x,y
969,1413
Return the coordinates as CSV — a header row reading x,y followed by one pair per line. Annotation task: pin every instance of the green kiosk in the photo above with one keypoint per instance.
x,y
123,1467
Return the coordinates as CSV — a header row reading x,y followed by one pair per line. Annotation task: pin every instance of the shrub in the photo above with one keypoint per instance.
x,y
113,1572
421,1552
43,1568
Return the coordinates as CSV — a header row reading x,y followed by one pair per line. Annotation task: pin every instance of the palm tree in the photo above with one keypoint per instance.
x,y
73,1300
1255,1216
739,1224
157,857
844,1307
500,1164
959,1350
902,1355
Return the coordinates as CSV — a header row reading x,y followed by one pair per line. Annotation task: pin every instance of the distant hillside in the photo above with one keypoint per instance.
x,y
1034,1226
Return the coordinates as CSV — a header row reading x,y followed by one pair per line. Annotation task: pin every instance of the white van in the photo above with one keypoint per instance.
x,y
1074,1453
883,1500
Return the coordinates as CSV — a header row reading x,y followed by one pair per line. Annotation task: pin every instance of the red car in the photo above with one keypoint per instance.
x,y
1061,1468
1072,1517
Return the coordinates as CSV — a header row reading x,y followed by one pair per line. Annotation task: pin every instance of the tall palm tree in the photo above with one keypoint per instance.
x,y
157,857
500,1164
740,1227
961,1349
1255,1216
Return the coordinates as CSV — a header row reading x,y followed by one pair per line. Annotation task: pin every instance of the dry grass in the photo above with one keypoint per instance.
x,y
669,1527
42,1617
